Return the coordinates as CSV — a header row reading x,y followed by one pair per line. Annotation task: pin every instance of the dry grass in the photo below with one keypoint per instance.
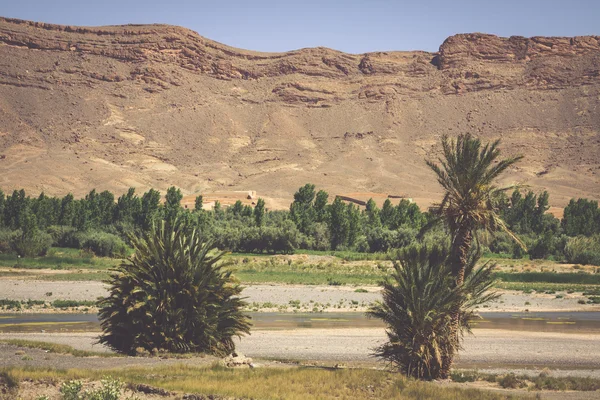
x,y
56,348
270,383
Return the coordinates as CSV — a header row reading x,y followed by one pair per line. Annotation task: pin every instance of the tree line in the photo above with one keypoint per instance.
x,y
100,222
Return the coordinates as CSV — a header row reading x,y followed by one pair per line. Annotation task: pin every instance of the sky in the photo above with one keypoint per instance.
x,y
353,26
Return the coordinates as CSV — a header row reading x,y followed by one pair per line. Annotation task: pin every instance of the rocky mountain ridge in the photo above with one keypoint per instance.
x,y
155,105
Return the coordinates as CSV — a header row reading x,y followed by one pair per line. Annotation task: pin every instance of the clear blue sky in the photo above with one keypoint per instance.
x,y
353,26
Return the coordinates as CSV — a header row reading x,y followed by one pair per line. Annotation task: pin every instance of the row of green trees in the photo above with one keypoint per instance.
x,y
29,225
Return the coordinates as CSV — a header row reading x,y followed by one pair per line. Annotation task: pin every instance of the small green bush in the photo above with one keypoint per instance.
x,y
61,235
583,250
100,243
110,390
510,381
6,237
72,303
70,390
10,304
33,244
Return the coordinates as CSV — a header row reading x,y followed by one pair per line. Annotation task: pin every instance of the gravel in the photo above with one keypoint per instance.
x,y
281,295
487,349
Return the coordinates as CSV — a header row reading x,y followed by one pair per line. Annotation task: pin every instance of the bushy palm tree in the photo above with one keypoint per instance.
x,y
418,305
173,294
468,172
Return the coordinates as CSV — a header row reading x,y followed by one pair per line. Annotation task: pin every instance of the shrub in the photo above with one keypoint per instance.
x,y
510,381
32,244
173,294
583,250
70,390
6,237
72,303
548,245
110,390
61,235
100,243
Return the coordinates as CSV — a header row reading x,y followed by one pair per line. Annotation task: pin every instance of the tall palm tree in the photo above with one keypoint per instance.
x,y
468,172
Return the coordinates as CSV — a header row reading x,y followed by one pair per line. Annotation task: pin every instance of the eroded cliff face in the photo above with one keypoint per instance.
x,y
157,105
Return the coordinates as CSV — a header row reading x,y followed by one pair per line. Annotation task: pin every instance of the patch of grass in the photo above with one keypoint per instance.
x,y
361,290
292,383
471,376
322,273
347,255
76,276
511,381
59,258
72,303
10,304
543,287
594,300
549,277
56,348
544,382
541,382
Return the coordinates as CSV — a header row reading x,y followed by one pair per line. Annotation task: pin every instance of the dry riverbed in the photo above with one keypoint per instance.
x,y
285,298
567,354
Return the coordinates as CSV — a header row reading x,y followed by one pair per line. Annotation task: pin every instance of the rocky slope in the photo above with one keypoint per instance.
x,y
155,105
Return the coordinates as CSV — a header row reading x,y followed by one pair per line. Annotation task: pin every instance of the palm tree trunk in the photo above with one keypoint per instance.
x,y
459,259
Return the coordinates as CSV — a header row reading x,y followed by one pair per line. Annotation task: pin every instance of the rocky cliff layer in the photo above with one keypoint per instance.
x,y
156,105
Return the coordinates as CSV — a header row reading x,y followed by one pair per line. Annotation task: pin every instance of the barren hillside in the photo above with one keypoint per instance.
x,y
155,106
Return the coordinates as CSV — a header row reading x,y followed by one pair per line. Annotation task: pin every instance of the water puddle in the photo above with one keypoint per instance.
x,y
575,322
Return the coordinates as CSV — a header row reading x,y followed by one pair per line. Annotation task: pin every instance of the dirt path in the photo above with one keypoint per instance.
x,y
339,298
487,349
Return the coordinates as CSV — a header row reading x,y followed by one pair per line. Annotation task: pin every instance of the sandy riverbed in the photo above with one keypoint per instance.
x,y
273,297
487,349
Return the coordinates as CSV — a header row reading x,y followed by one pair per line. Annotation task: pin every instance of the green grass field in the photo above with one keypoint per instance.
x,y
307,268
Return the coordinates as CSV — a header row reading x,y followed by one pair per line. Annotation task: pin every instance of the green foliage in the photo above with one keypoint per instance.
x,y
510,381
100,243
382,239
198,203
62,235
173,294
342,223
467,173
419,301
72,303
110,390
128,207
6,237
581,217
172,203
259,212
10,304
583,250
30,244
549,277
71,390
301,210
546,245
527,214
